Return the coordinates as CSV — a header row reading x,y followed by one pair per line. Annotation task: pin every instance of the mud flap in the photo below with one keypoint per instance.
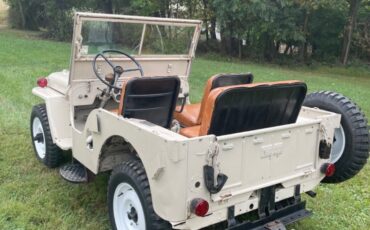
x,y
266,204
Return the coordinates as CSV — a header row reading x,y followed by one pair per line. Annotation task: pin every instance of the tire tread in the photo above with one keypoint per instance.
x,y
53,154
360,138
135,170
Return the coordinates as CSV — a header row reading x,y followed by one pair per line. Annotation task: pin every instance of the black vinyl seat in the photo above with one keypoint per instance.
x,y
222,80
245,109
150,98
241,108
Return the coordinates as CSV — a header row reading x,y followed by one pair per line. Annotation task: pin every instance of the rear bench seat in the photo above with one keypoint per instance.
x,y
191,114
241,108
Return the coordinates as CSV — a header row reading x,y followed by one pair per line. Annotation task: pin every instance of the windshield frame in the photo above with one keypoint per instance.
x,y
80,18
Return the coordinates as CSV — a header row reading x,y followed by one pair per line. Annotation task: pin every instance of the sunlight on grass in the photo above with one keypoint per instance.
x,y
33,197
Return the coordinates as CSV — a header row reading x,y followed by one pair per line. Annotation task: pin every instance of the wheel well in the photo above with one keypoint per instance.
x,y
114,151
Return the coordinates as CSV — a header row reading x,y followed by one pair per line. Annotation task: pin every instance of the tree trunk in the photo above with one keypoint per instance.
x,y
206,30
286,48
240,48
277,47
213,28
108,6
23,17
303,48
205,15
227,40
348,30
269,48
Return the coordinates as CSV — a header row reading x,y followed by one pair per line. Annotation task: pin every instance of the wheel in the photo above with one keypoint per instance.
x,y
129,199
46,151
350,149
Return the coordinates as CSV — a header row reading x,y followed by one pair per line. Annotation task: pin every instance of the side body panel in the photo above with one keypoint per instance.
x,y
163,153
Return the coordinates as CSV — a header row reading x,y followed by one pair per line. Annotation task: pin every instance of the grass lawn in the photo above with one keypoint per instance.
x,y
34,197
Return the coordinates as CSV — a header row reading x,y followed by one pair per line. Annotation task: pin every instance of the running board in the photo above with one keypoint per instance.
x,y
74,173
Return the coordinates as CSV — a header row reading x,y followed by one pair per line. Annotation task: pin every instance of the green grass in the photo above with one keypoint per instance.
x,y
34,197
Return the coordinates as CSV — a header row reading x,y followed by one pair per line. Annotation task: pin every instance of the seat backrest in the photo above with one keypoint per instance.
x,y
243,108
221,80
150,98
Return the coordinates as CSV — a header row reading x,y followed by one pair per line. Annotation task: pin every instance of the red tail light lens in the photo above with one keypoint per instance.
x,y
42,82
328,169
199,207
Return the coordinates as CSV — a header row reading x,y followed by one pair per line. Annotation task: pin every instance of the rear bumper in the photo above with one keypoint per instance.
x,y
281,217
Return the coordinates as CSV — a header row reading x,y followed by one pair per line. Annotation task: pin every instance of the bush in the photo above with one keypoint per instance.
x,y
60,26
25,14
210,46
54,16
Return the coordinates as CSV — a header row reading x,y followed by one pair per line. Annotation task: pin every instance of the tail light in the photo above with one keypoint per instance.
x,y
42,82
199,207
328,169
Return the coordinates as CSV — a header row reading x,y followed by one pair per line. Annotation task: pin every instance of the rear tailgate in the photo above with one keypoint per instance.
x,y
257,159
267,157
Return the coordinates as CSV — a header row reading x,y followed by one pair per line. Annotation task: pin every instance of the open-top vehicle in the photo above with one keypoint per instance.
x,y
240,159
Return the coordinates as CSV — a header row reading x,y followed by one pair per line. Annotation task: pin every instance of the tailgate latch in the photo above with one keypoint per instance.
x,y
209,171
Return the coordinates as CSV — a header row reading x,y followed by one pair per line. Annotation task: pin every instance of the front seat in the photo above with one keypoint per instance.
x,y
150,98
241,108
191,114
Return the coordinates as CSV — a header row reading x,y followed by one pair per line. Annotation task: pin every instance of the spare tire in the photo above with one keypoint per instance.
x,y
350,149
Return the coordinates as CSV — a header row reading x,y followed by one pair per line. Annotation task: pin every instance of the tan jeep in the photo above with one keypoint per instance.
x,y
240,159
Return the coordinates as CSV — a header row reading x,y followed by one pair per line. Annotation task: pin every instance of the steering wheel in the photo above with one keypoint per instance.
x,y
117,70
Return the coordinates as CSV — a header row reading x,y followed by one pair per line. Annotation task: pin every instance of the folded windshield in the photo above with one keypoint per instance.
x,y
135,38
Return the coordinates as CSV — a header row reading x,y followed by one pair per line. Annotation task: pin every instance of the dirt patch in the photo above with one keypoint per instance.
x,y
3,13
3,6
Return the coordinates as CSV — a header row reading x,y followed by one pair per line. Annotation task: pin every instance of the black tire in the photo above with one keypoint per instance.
x,y
356,133
53,154
132,172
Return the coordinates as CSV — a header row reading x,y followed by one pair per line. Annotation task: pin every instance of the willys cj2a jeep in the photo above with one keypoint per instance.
x,y
240,159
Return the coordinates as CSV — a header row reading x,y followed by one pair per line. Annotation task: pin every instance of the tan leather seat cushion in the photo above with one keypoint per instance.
x,y
189,115
192,114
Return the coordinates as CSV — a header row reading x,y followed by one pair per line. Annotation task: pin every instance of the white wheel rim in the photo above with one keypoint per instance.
x,y
338,145
39,144
126,202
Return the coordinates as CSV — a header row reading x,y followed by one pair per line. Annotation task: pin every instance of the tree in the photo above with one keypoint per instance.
x,y
361,35
354,6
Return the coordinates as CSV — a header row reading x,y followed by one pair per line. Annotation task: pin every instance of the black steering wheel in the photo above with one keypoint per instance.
x,y
117,70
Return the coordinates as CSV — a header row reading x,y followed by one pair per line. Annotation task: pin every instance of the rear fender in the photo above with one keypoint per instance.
x,y
162,152
58,111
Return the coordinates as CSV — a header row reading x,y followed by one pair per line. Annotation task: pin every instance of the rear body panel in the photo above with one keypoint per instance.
x,y
282,156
